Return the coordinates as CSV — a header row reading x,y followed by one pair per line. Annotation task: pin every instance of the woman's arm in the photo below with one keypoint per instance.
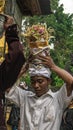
x,y
14,60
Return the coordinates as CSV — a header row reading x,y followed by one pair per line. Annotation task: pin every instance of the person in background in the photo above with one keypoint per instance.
x,y
67,119
14,117
42,109
11,66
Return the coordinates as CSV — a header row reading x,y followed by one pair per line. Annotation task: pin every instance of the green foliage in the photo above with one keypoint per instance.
x,y
26,78
54,4
57,81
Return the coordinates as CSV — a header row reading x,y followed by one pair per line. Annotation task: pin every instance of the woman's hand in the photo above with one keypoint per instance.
x,y
47,61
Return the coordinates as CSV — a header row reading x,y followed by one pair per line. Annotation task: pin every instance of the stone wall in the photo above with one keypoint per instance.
x,y
11,8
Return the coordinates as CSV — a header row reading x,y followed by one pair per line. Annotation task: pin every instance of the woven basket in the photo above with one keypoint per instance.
x,y
38,44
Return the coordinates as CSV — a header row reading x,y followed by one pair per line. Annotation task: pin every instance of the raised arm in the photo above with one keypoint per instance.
x,y
67,77
14,60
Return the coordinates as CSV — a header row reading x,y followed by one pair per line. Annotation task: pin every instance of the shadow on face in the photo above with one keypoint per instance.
x,y
40,84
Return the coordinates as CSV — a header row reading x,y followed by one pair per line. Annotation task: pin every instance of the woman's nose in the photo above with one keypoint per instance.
x,y
36,85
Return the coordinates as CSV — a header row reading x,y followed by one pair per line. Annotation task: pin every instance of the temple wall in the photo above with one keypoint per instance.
x,y
12,9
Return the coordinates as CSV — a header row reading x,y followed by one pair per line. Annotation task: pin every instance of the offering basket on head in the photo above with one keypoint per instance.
x,y
37,37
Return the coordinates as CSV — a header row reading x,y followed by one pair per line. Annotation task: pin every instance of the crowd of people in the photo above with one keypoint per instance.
x,y
39,108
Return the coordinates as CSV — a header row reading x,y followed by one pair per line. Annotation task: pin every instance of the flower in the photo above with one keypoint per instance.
x,y
36,32
38,36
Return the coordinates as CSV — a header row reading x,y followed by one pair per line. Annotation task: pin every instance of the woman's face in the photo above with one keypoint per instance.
x,y
40,85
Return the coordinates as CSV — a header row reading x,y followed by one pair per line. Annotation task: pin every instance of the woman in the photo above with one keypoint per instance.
x,y
11,66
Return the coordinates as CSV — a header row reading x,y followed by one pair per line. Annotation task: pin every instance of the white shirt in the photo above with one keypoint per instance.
x,y
40,113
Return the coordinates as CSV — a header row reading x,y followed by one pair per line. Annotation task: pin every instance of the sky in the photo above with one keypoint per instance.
x,y
68,6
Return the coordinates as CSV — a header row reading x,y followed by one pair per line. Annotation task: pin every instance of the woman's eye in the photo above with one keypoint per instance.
x,y
32,82
40,81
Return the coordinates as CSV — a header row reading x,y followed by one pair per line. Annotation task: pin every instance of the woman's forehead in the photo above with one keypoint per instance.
x,y
38,77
